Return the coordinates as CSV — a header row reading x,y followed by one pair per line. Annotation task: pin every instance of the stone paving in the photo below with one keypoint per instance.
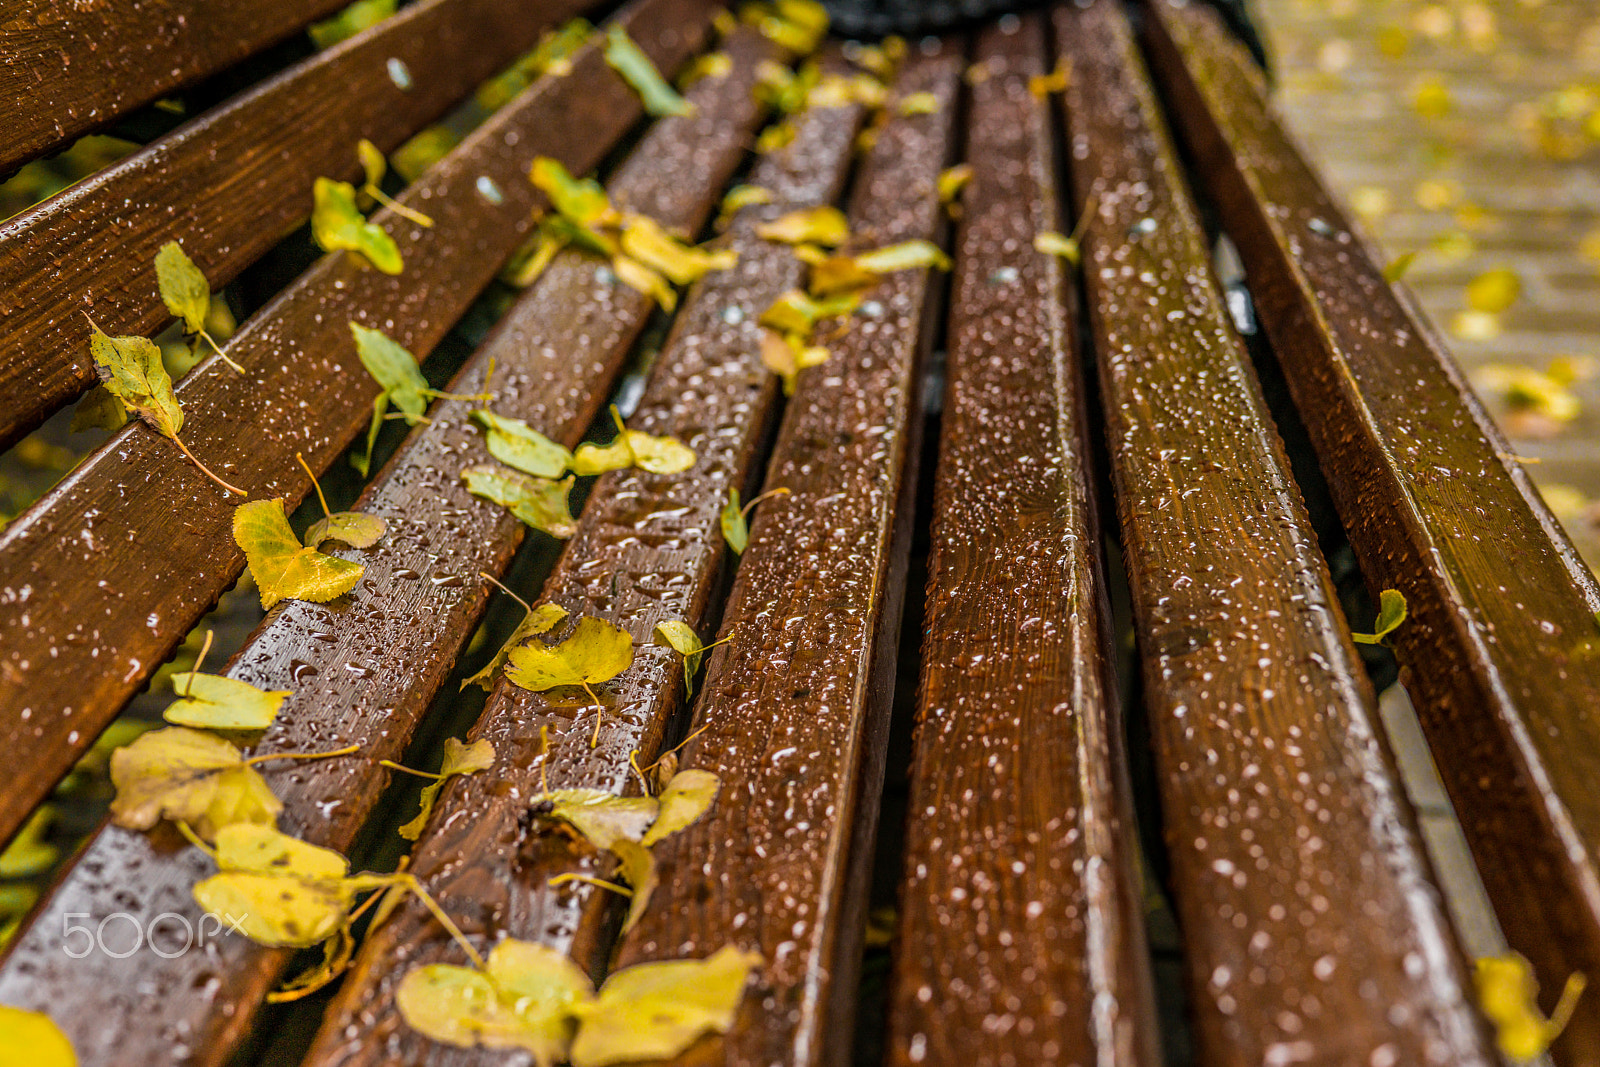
x,y
1469,134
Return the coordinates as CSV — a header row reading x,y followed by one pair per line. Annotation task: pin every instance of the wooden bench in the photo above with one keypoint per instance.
x,y
1082,433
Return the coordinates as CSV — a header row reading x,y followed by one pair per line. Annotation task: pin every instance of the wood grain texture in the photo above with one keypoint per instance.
x,y
1500,652
1021,931
365,672
102,578
227,185
1313,930
69,68
796,705
647,550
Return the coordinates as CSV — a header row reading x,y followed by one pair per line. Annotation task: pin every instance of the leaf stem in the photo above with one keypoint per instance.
x,y
599,712
393,766
589,879
347,750
397,207
410,880
218,350
300,459
744,512
498,584
194,839
198,660
1090,206
205,469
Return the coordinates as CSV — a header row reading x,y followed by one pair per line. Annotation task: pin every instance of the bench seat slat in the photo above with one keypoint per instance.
x,y
227,186
1310,919
795,712
70,68
1020,891
647,550
1500,649
555,353
87,619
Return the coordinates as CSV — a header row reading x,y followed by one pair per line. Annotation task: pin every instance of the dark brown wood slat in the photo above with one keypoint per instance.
x,y
1021,930
227,186
647,550
70,68
367,677
796,706
1500,648
102,577
1312,926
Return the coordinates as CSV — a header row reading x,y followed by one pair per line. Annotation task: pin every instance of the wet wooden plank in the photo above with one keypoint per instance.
x,y
102,577
647,550
1020,900
1499,653
228,186
796,706
1312,927
71,68
367,677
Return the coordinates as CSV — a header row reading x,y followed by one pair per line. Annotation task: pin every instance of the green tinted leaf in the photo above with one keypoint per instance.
x,y
29,854
735,530
458,759
32,1039
602,818
351,21
394,368
655,1011
131,370
516,444
687,796
184,289
1397,269
283,568
215,702
681,636
99,408
537,621
373,165
524,1000
358,529
581,201
595,652
337,224
630,61
1391,613
638,868
539,502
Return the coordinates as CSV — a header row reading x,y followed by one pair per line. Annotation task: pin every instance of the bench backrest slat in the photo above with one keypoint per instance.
x,y
647,550
1500,646
227,186
1018,839
160,546
72,68
1273,769
795,712
555,354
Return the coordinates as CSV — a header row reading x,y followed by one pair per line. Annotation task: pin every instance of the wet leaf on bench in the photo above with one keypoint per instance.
x,y
845,274
29,854
216,702
654,1011
395,370
786,355
282,567
458,759
1042,85
1494,291
919,104
1391,613
735,528
516,444
184,289
538,502
681,636
687,796
131,370
646,280
646,241
187,776
824,225
709,65
633,448
99,409
952,180
638,868
374,166
595,652
538,620
33,1038
336,223
522,999
358,529
797,26
600,817
1508,994
1052,243
630,61
738,198
280,891
581,200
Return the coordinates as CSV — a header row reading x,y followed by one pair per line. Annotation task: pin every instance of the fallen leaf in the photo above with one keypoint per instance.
x,y
32,1039
735,530
646,280
351,21
1057,81
281,892
633,448
337,224
516,444
919,104
1508,994
687,796
644,240
630,61
458,759
215,702
1052,243
952,181
1396,270
681,636
29,854
538,620
787,354
595,652
638,868
184,289
824,225
187,776
538,502
1391,613
654,1011
1494,291
600,817
131,370
581,200
282,567
358,529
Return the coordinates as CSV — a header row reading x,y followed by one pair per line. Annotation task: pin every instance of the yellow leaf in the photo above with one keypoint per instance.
x,y
658,455
601,818
638,276
1431,97
539,502
337,224
644,240
1494,291
32,1039
1508,992
595,652
274,910
824,225
29,854
458,759
654,1011
687,796
740,197
522,1000
184,289
638,868
131,370
709,65
582,201
919,104
538,620
1052,243
952,180
215,702
1042,85
283,568
787,354
735,530
186,776
358,529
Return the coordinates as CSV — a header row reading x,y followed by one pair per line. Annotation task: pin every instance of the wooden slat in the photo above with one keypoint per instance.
x,y
1020,900
647,550
796,706
228,186
367,677
102,577
1500,651
1313,931
67,68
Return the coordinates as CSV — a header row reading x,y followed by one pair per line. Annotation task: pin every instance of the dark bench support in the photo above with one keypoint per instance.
x,y
647,550
796,705
555,354
228,186
1501,651
1021,936
88,619
1311,922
